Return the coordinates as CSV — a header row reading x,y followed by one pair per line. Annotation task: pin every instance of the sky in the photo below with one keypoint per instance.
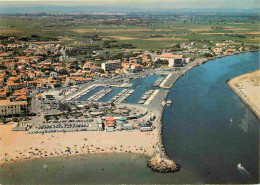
x,y
244,4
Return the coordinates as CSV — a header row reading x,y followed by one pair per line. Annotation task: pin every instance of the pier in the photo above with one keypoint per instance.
x,y
157,159
99,94
82,92
149,100
146,96
122,96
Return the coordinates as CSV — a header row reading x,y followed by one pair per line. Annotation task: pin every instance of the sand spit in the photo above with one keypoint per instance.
x,y
247,88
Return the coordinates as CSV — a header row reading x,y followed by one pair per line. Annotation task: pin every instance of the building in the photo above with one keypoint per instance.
x,y
173,60
14,86
54,75
17,108
111,65
136,67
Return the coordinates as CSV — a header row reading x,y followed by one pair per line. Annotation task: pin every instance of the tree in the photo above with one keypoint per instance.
x,y
3,120
63,72
87,107
207,55
101,70
64,107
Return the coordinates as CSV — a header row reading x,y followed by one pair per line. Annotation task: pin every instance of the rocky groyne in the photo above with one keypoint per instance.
x,y
157,159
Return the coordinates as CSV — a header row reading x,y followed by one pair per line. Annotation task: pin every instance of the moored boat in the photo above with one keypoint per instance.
x,y
169,103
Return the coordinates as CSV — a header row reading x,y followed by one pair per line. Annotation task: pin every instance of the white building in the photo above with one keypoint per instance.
x,y
172,59
111,65
8,108
136,67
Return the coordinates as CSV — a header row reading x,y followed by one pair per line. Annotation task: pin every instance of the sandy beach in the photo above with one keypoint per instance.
x,y
247,87
17,145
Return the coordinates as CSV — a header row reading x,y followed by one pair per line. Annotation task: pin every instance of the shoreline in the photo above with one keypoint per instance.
x,y
242,93
70,144
157,158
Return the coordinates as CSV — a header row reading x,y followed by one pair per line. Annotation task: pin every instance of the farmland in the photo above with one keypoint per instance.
x,y
140,32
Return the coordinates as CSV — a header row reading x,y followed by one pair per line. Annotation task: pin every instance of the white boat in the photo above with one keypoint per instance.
x,y
169,103
240,166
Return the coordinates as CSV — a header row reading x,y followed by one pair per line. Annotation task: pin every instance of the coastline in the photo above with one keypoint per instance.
x,y
35,146
240,85
156,155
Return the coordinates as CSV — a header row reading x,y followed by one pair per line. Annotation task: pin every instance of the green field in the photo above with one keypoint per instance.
x,y
157,34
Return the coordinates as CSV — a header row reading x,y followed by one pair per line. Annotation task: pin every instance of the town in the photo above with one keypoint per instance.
x,y
88,88
45,81
129,92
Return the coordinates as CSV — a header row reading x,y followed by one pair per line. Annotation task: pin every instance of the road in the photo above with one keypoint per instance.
x,y
34,108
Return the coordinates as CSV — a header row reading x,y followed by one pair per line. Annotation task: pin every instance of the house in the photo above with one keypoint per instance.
x,y
54,75
3,93
88,65
14,86
136,67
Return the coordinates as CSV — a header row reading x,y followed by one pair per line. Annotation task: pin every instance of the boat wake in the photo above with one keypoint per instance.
x,y
243,171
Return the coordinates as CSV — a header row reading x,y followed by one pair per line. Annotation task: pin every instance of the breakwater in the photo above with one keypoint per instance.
x,y
157,158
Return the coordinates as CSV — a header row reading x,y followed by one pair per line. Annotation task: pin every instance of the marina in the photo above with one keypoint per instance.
x,y
82,92
121,97
158,82
146,95
99,94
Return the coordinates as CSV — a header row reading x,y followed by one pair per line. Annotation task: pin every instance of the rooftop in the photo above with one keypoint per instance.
x,y
6,103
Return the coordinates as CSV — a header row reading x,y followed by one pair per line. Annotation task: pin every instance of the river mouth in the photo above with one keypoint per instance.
x,y
197,134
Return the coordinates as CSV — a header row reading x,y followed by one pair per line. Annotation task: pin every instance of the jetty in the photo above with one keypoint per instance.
x,y
82,92
146,96
157,159
100,94
123,95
